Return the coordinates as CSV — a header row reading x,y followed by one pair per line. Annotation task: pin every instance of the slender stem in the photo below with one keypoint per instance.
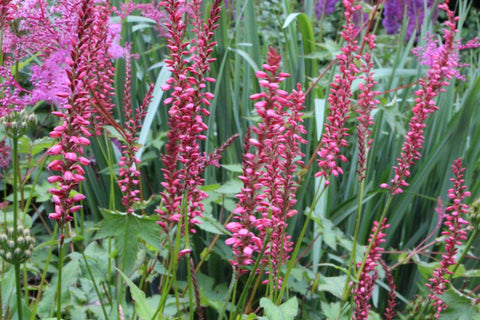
x,y
243,295
41,165
464,252
60,267
351,264
15,222
44,274
231,287
292,260
95,285
19,290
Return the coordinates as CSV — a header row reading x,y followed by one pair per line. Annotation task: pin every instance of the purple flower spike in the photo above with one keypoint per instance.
x,y
325,7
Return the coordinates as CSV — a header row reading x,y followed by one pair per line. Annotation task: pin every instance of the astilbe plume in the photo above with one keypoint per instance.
x,y
268,174
443,66
189,62
368,276
76,128
129,173
366,103
339,99
455,233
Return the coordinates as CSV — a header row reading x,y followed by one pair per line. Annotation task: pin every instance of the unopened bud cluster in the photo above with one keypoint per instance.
x,y
16,248
474,214
16,123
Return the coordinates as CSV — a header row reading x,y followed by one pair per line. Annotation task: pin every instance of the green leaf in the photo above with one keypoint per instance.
x,y
142,307
128,231
334,285
331,310
290,18
210,224
285,311
236,168
460,307
230,187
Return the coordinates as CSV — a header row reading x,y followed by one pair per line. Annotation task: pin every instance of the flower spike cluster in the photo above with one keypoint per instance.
x,y
335,132
455,233
189,62
364,288
128,172
75,130
366,103
443,66
270,160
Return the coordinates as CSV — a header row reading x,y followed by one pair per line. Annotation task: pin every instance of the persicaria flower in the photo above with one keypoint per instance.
x,y
269,164
189,63
366,103
339,98
455,233
76,114
369,274
443,66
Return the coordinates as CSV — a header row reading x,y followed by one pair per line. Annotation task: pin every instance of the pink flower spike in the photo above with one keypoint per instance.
x,y
455,233
443,62
339,98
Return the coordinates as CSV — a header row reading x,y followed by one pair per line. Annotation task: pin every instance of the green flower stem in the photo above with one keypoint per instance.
x,y
124,259
95,285
243,297
187,257
29,199
464,252
232,288
171,272
44,274
351,263
293,257
61,247
15,222
346,293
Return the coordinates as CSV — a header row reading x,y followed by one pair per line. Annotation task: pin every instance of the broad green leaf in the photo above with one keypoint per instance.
x,y
460,307
331,310
210,224
285,311
128,230
230,187
334,285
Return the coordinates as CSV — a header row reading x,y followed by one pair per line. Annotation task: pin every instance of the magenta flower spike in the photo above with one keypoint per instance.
x,y
455,233
189,62
443,61
366,103
76,112
335,132
129,173
269,163
366,281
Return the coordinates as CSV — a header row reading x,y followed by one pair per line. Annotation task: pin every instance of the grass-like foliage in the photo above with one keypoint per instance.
x,y
278,159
